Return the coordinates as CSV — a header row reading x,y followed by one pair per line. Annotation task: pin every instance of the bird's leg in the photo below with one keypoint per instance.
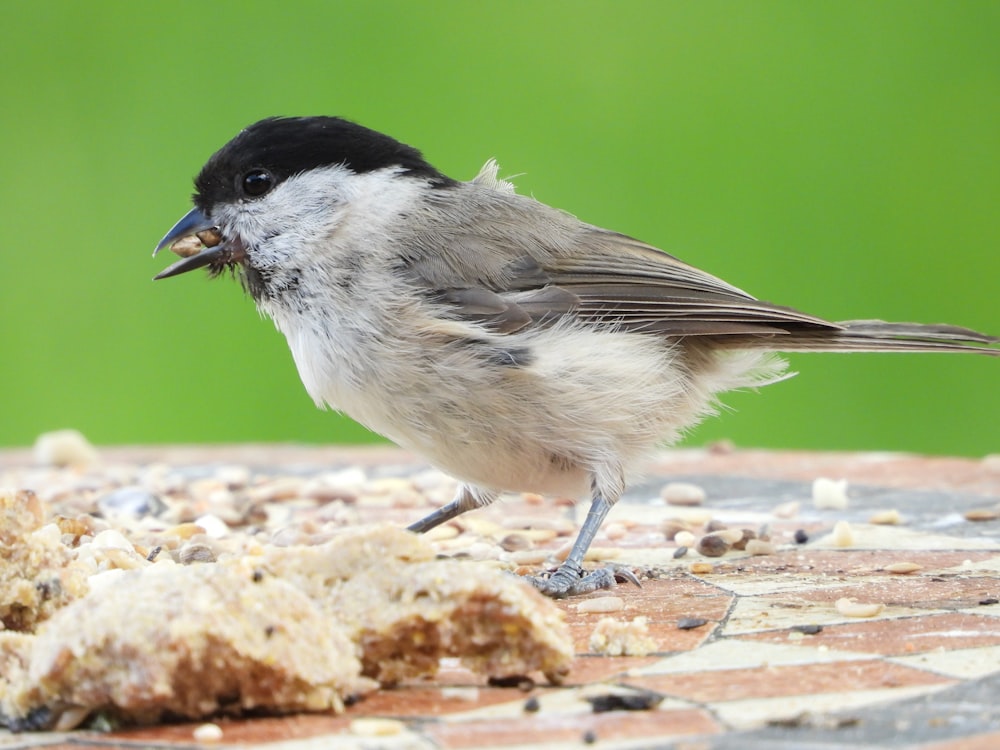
x,y
467,498
569,579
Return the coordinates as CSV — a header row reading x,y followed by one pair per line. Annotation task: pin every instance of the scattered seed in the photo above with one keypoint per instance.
x,y
638,701
850,607
680,552
843,536
731,536
690,623
601,604
532,705
589,737
369,727
515,542
787,510
982,514
830,494
685,539
672,526
988,601
801,537
760,547
682,493
712,545
886,518
903,567
745,536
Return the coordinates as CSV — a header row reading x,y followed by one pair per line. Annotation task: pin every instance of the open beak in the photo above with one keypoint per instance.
x,y
193,223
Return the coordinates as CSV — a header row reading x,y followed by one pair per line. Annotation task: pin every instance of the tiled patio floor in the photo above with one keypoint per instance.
x,y
775,664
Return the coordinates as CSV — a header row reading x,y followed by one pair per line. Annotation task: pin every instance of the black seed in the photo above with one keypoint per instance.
x,y
808,629
801,537
589,737
690,623
532,705
638,701
680,552
988,601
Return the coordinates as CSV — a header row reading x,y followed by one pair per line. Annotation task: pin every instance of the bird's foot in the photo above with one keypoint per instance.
x,y
570,580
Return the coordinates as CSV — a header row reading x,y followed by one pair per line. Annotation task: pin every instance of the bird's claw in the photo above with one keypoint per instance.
x,y
570,580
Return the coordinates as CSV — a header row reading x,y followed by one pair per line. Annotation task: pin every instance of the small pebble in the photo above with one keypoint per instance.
x,y
690,623
532,705
601,604
988,601
712,545
683,493
714,524
680,552
830,494
589,737
207,733
801,537
701,567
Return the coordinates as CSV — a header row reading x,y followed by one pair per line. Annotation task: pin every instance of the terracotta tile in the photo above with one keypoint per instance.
x,y
989,741
756,712
919,592
851,562
589,669
903,636
772,682
239,731
662,602
606,727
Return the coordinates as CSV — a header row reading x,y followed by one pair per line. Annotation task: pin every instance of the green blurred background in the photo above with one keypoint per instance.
x,y
840,157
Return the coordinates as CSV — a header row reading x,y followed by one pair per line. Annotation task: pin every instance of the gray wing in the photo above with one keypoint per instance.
x,y
517,262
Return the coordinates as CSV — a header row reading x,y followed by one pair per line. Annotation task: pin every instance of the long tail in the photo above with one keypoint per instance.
x,y
880,336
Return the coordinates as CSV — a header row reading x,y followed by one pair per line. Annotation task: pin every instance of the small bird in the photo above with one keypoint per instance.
x,y
514,346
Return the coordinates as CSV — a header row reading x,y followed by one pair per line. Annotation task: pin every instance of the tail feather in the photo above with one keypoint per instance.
x,y
880,336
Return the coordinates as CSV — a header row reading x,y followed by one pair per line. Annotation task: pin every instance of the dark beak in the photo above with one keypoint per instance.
x,y
191,223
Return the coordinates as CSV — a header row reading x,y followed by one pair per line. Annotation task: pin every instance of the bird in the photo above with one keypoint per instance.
x,y
512,345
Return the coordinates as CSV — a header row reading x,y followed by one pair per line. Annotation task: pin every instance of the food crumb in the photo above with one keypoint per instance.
x,y
612,637
830,494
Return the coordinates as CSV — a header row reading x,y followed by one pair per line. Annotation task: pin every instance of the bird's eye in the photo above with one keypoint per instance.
x,y
256,182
